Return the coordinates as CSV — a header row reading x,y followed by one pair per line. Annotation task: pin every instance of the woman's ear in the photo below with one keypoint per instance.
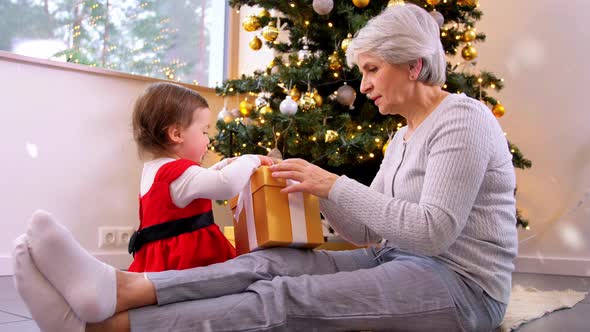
x,y
175,134
415,69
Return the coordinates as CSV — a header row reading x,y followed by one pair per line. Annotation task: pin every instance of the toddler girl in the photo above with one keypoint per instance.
x,y
176,231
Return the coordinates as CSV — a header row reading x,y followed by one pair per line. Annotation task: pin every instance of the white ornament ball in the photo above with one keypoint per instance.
x,y
288,106
438,17
323,7
346,96
225,116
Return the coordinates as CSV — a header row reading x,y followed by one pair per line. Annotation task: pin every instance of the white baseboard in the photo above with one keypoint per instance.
x,y
559,266
119,260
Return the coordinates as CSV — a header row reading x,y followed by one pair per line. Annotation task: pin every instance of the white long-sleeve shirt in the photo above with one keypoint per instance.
x,y
223,180
446,192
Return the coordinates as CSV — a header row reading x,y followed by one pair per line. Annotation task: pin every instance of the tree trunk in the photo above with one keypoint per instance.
x,y
106,36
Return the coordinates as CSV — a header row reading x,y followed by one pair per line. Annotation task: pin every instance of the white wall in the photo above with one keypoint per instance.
x,y
86,171
540,48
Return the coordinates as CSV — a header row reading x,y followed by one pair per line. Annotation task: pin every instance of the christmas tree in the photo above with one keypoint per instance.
x,y
305,103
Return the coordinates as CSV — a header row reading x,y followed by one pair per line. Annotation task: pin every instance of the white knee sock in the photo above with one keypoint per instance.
x,y
87,284
48,308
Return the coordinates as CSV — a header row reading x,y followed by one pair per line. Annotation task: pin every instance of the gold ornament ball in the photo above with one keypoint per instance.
x,y
246,107
469,52
295,94
433,2
469,35
270,32
265,109
384,148
334,62
307,102
331,136
392,3
498,110
251,23
467,2
345,42
361,3
255,43
264,13
319,101
225,116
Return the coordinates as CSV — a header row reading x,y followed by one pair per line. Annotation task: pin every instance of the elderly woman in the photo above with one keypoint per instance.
x,y
441,205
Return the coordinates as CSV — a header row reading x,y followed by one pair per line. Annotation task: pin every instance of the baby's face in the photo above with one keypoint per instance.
x,y
196,136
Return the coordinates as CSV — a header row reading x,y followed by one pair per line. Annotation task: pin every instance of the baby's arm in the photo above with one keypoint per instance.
x,y
228,181
221,164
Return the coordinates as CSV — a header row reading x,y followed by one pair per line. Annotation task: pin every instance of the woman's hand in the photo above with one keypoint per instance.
x,y
313,179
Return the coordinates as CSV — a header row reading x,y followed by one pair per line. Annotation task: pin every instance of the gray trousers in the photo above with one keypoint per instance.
x,y
284,289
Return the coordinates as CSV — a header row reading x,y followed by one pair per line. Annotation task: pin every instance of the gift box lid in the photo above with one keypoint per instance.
x,y
261,177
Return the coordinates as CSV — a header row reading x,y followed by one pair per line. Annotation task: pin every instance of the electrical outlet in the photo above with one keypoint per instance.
x,y
114,237
124,235
107,237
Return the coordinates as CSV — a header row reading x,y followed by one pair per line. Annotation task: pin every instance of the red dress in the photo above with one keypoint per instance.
x,y
200,247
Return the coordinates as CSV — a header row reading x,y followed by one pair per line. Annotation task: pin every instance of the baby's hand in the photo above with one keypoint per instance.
x,y
265,161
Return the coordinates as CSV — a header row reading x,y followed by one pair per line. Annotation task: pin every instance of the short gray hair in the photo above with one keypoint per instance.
x,y
403,34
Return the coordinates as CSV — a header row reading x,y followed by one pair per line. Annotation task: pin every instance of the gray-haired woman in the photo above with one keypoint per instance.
x,y
442,205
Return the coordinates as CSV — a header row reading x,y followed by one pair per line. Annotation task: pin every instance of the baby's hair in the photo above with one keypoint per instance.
x,y
161,106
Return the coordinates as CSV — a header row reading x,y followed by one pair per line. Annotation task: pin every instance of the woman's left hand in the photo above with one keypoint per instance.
x,y
313,179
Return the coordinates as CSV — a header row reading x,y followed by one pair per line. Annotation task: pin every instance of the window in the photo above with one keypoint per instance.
x,y
172,39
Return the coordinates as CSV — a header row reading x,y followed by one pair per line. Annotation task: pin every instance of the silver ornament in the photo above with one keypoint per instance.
x,y
236,113
304,53
288,106
346,95
323,7
260,101
438,17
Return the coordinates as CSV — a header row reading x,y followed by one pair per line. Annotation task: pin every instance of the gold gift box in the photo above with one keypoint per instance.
x,y
272,216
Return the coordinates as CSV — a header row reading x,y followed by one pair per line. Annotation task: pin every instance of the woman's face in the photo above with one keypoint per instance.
x,y
388,85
